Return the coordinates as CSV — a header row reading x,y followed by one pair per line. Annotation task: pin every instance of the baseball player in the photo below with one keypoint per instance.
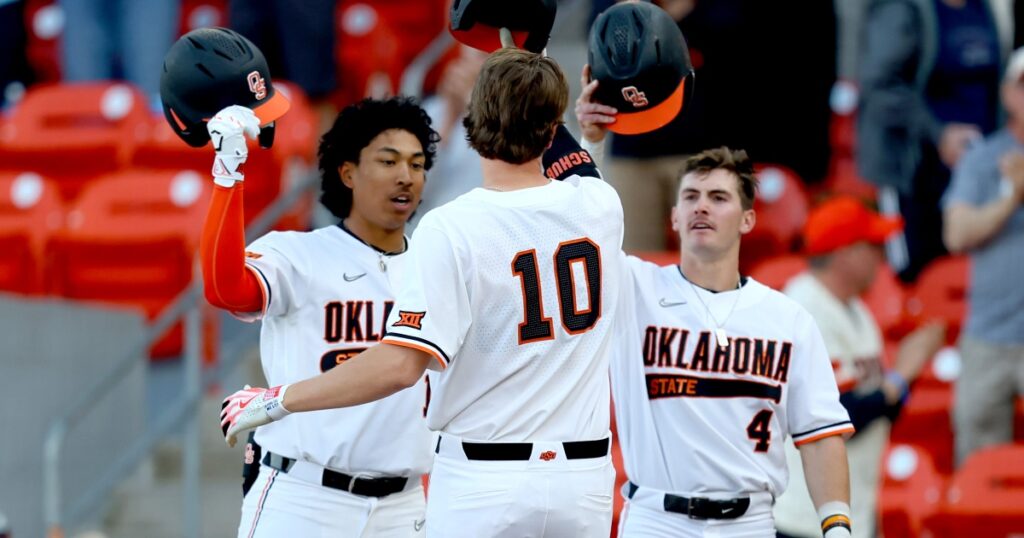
x,y
712,371
510,292
323,297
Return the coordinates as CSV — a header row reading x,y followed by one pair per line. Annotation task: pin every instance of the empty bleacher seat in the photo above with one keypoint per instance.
x,y
781,205
130,240
985,496
776,271
30,212
941,293
73,132
911,490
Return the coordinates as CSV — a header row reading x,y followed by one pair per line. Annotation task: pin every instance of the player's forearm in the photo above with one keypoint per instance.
x,y
826,470
226,282
375,373
967,227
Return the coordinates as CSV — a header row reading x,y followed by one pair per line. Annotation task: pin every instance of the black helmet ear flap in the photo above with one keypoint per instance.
x,y
266,137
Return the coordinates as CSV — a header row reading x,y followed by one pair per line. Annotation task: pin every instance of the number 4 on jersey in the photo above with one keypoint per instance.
x,y
535,326
759,430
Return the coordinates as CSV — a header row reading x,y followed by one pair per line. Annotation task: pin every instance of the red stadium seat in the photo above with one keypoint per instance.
x,y
131,240
941,293
30,212
781,205
926,421
663,258
986,496
911,490
197,14
776,271
73,132
887,300
44,25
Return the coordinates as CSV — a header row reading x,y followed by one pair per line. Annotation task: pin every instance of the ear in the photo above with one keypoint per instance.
x,y
749,219
551,138
345,171
676,219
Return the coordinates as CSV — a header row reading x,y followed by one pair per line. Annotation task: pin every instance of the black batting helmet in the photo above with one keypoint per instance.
x,y
640,59
212,68
476,22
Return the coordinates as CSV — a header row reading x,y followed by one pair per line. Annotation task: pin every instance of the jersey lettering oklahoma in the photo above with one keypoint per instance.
x,y
697,417
327,300
513,293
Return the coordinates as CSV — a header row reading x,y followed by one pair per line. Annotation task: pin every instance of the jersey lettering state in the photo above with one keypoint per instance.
x,y
513,294
701,416
327,300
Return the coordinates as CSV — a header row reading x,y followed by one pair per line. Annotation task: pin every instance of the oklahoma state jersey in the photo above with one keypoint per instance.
x,y
697,417
327,298
514,293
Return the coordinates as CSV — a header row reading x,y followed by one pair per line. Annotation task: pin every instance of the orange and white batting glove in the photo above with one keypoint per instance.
x,y
228,130
250,408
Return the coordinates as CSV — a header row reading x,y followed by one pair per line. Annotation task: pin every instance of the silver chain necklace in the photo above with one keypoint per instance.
x,y
721,338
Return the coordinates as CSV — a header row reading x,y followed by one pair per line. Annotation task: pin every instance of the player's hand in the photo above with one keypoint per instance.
x,y
228,129
954,141
1011,166
592,117
250,408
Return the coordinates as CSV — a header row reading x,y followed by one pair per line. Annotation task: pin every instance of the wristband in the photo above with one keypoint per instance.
x,y
835,519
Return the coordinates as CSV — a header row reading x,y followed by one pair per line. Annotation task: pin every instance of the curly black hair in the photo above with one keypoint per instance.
x,y
354,128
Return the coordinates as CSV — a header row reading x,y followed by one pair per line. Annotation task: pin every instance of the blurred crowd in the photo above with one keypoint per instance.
x,y
890,136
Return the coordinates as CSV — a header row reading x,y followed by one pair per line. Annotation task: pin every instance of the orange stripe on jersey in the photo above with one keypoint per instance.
x,y
820,436
425,349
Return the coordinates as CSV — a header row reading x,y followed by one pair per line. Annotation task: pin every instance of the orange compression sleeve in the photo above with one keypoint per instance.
x,y
227,283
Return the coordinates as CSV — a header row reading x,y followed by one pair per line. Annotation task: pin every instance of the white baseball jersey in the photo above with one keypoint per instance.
x,y
327,297
854,343
514,293
702,419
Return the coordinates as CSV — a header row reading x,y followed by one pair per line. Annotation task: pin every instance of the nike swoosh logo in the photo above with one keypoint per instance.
x,y
417,525
352,278
220,143
726,510
667,304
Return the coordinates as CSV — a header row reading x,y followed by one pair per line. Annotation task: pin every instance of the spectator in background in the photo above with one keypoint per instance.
x,y
844,241
118,39
929,75
456,167
742,53
983,218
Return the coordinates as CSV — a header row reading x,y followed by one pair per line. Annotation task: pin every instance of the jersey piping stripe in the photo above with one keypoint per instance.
x,y
833,425
262,501
848,429
265,284
428,350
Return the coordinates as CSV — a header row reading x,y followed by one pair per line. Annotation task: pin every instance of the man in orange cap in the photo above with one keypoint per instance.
x,y
843,240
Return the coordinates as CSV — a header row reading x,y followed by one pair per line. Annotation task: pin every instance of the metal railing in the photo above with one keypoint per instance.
x,y
186,305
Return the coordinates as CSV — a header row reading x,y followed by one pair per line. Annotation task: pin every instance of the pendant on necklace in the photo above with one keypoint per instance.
x,y
383,266
721,338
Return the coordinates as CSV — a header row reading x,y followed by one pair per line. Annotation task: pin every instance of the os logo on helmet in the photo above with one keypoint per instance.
x,y
634,96
257,85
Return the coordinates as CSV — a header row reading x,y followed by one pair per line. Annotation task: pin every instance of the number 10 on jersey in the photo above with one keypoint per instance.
x,y
570,259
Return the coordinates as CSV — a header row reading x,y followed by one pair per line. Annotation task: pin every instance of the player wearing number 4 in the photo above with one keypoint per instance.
x,y
323,297
712,371
510,291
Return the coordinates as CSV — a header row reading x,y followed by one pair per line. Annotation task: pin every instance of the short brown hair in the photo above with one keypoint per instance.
x,y
517,101
735,161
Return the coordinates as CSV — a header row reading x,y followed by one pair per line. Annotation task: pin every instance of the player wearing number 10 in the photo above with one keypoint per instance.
x,y
510,290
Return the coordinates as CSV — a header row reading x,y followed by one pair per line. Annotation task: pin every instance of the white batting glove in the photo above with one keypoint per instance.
x,y
250,408
228,130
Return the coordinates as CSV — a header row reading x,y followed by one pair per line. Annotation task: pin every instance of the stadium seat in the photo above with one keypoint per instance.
x,y
776,271
781,207
30,212
663,258
197,14
910,491
73,132
44,25
926,421
130,240
985,496
941,293
887,301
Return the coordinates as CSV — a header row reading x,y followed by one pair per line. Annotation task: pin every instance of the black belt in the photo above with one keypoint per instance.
x,y
700,507
367,487
574,450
